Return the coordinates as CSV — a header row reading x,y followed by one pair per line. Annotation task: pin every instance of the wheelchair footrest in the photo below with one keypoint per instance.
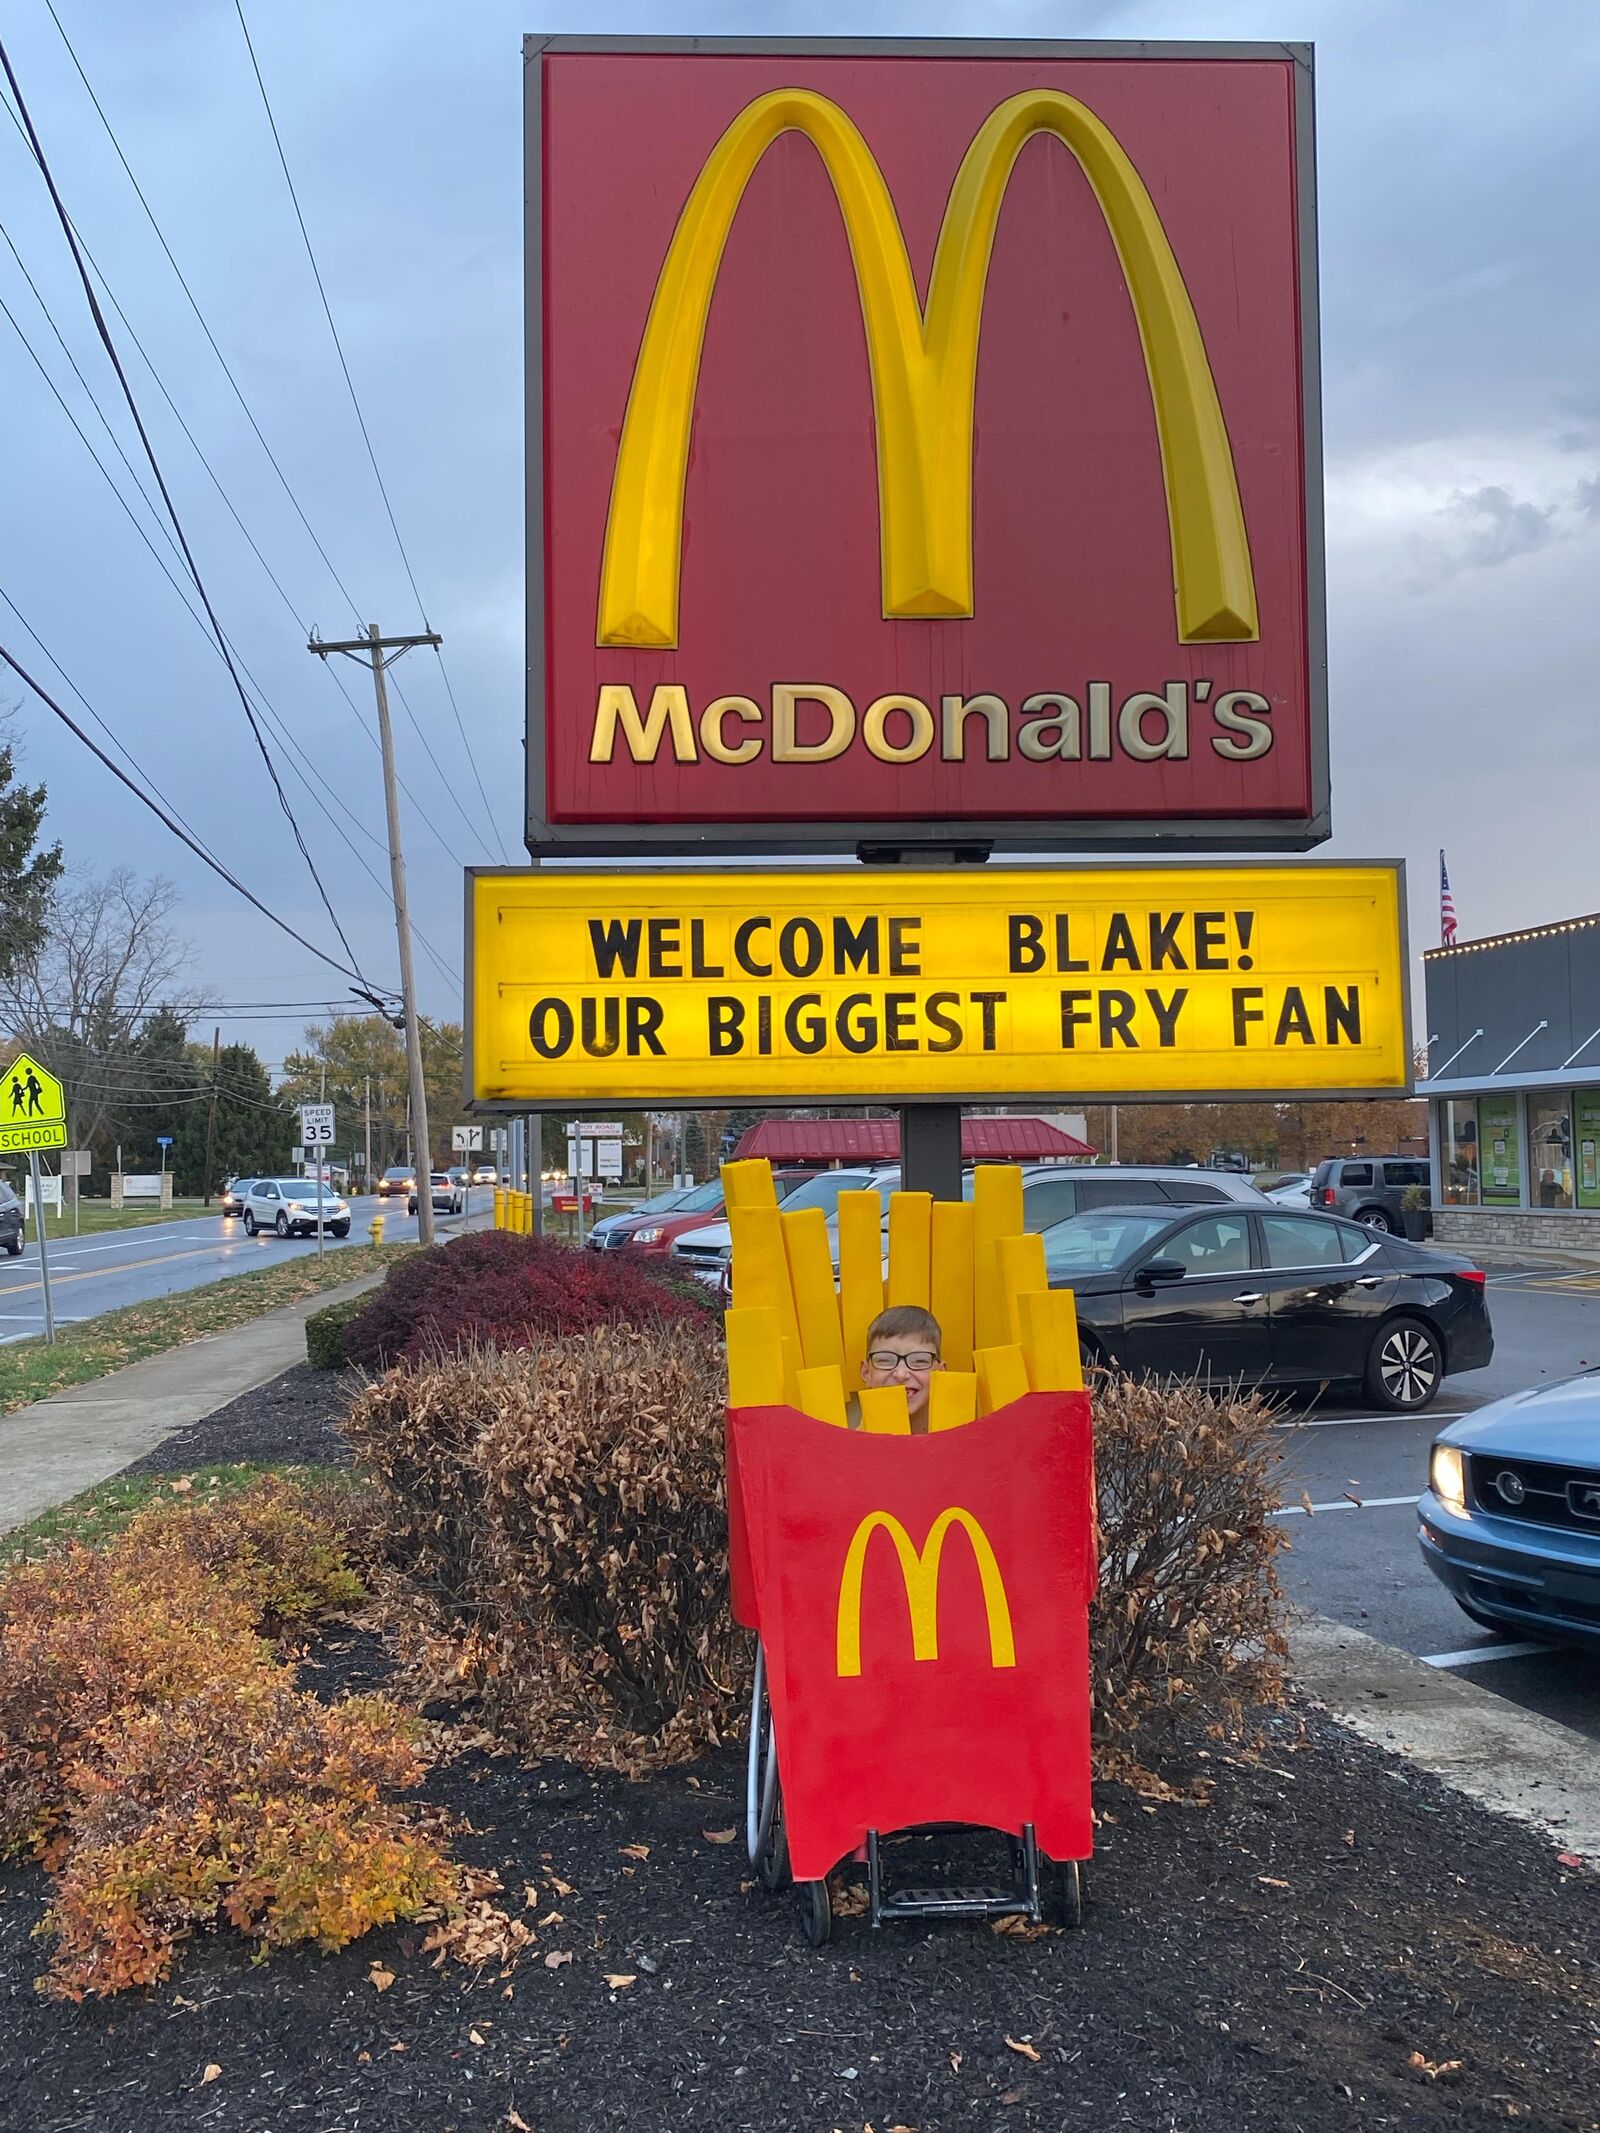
x,y
952,1902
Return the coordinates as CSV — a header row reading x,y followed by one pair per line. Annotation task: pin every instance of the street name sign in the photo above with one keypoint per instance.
x,y
33,1108
316,1125
1178,982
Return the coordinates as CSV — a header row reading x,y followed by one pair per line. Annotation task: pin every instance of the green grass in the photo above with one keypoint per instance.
x,y
94,1215
101,1513
30,1371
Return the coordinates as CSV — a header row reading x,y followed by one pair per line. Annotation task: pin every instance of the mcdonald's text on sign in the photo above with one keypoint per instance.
x,y
33,1108
923,441
1180,981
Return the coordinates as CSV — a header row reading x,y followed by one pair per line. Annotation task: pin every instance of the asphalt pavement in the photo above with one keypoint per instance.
x,y
1354,1555
112,1268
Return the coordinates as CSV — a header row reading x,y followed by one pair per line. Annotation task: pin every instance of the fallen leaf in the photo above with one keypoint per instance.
x,y
517,2123
1011,2096
473,2037
398,2046
955,2062
552,1918
1435,2071
212,2073
556,1958
1350,1838
620,1980
363,2058
849,1899
719,1836
380,1978
1271,1881
1569,1859
1306,1504
1022,2045
181,1487
562,1888
530,1895
1018,1928
635,1851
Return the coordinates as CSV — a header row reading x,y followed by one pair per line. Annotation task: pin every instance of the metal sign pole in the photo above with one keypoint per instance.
x,y
319,1203
44,1255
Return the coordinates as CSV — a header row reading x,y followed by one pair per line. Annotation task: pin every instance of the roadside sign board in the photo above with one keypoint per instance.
x,y
985,375
1178,982
76,1162
316,1125
465,1140
33,1108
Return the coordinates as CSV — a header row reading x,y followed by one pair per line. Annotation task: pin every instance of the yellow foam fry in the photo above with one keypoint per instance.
x,y
761,1268
755,1358
1050,1340
1002,1376
1021,1268
950,1279
820,1393
749,1183
910,1231
816,1303
952,1399
996,1213
860,1272
884,1412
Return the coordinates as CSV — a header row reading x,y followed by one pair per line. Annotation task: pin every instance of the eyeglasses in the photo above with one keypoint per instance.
x,y
887,1359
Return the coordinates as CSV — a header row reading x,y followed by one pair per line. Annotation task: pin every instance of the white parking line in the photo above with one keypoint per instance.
x,y
1345,1503
1483,1654
1349,1421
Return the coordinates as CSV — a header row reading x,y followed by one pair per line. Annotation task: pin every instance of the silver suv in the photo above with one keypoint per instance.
x,y
1368,1188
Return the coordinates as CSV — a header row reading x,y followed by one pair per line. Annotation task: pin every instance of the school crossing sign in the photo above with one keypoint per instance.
x,y
33,1108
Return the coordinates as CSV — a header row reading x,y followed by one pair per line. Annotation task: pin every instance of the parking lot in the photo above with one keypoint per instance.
x,y
1354,1553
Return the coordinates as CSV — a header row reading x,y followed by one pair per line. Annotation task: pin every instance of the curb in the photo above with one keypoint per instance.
x,y
1537,1771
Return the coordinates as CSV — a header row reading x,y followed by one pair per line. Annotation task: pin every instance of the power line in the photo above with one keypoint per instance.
x,y
155,467
361,420
183,835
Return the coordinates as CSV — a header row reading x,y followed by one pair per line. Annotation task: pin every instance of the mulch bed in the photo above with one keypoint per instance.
x,y
1276,1960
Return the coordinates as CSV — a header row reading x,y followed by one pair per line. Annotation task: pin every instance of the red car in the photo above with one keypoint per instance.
x,y
654,1233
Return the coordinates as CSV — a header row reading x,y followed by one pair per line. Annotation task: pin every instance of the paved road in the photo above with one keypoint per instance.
x,y
98,1273
1358,1561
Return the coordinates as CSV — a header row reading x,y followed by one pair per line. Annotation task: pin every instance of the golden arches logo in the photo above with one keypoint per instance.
x,y
919,1568
924,370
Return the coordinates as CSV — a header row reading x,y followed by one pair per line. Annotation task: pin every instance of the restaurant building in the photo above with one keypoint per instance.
x,y
1513,1038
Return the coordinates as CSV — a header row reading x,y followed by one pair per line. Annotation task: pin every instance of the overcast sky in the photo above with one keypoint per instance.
x,y
1458,186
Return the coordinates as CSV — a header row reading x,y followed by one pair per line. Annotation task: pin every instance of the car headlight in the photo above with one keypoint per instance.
x,y
647,1236
1448,1476
297,1207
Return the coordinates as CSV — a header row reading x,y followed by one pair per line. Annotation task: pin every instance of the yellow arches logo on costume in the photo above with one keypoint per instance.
x,y
924,369
920,1570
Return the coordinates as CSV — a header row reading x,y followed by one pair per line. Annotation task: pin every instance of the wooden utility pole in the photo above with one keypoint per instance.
x,y
370,650
211,1113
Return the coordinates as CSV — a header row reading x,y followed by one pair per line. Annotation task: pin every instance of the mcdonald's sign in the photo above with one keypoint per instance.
x,y
922,439
919,1571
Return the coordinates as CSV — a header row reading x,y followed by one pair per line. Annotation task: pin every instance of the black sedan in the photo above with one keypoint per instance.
x,y
1241,1295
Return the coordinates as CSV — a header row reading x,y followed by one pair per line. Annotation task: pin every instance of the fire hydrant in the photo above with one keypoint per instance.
x,y
375,1229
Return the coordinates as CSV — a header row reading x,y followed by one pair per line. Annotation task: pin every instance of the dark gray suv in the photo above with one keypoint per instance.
x,y
1368,1188
11,1219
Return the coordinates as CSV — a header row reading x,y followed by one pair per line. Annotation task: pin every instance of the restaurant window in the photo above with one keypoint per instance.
x,y
1586,1145
1550,1150
1499,1155
1458,1151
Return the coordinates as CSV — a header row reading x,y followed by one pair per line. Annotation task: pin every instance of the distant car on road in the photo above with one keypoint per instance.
x,y
445,1192
1292,1191
486,1174
1510,1520
604,1236
399,1178
1263,1296
290,1206
232,1198
1368,1189
12,1216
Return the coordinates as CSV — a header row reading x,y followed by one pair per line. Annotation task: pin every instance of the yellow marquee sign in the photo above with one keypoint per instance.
x,y
840,984
33,1108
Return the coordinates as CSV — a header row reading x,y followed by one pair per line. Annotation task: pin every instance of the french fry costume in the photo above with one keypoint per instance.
x,y
922,1600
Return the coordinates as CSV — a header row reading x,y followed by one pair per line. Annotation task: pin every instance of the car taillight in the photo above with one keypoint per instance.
x,y
1324,1195
1473,1274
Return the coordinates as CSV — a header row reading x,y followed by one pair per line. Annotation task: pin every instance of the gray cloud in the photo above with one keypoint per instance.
x,y
1497,527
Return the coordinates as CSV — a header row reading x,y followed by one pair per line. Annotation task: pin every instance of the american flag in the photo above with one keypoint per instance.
x,y
1447,907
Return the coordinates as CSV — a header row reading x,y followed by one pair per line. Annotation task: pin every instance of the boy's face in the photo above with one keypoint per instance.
x,y
906,1359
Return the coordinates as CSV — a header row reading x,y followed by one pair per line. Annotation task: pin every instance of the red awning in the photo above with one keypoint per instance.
x,y
877,1140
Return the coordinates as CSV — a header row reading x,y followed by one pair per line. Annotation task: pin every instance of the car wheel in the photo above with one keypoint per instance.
x,y
411,1207
282,1224
250,1224
1377,1218
1406,1366
14,1247
340,1229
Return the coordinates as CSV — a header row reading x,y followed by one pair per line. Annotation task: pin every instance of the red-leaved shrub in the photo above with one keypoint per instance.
x,y
498,1290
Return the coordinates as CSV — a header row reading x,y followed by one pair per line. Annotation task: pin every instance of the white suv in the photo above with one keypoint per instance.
x,y
289,1206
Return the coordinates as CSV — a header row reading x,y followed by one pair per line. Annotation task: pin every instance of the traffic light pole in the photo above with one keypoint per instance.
x,y
370,650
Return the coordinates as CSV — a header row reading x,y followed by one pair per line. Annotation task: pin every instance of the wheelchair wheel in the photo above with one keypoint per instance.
x,y
765,1840
816,1913
1061,1891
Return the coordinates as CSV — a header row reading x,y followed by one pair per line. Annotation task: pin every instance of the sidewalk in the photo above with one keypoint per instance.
x,y
60,1446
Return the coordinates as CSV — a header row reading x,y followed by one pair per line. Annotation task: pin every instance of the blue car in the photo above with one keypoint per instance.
x,y
1510,1520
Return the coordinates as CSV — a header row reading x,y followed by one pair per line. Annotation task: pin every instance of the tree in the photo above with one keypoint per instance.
x,y
96,973
442,1044
254,1128
342,1061
27,875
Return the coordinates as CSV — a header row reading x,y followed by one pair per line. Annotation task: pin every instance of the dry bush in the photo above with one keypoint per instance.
x,y
569,1521
1186,1623
157,1755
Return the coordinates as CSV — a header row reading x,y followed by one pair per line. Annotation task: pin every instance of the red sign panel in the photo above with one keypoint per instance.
x,y
923,442
917,1607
